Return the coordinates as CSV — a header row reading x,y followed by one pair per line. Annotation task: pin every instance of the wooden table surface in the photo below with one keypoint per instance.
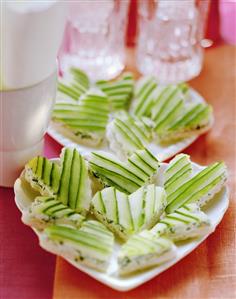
x,y
210,270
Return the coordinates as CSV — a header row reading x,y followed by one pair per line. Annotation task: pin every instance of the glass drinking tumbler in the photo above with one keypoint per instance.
x,y
169,40
24,117
96,37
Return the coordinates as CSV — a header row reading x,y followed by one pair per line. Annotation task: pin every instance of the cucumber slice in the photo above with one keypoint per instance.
x,y
111,207
126,177
76,86
144,163
71,91
196,115
68,182
178,172
168,106
45,211
75,190
147,205
80,77
144,250
87,119
186,222
145,90
43,175
184,87
126,215
195,120
118,92
127,134
91,245
200,188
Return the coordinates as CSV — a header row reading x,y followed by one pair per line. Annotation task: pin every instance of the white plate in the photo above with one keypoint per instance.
x,y
162,152
215,211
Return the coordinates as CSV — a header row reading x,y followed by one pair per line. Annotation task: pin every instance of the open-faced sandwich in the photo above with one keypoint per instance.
x,y
137,215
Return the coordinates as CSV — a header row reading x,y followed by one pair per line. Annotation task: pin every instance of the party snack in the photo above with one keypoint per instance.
x,y
86,120
127,134
45,211
148,217
80,77
200,188
128,214
91,245
67,182
175,117
169,104
144,94
77,85
167,113
186,222
125,176
177,172
144,250
149,95
118,92
43,175
197,119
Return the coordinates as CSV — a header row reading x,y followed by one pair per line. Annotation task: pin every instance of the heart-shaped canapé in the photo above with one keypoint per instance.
x,y
45,211
119,92
127,134
128,214
183,186
170,109
127,176
151,247
67,181
84,120
91,245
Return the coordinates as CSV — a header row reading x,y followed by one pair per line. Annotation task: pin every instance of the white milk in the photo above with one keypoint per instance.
x,y
24,117
30,35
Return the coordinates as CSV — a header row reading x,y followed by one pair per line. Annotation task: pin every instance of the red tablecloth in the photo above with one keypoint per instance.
x,y
26,270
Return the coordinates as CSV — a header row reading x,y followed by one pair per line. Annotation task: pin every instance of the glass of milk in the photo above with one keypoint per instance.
x,y
30,33
24,117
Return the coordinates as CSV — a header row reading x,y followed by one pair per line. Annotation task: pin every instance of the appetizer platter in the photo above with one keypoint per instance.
x,y
126,115
121,221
